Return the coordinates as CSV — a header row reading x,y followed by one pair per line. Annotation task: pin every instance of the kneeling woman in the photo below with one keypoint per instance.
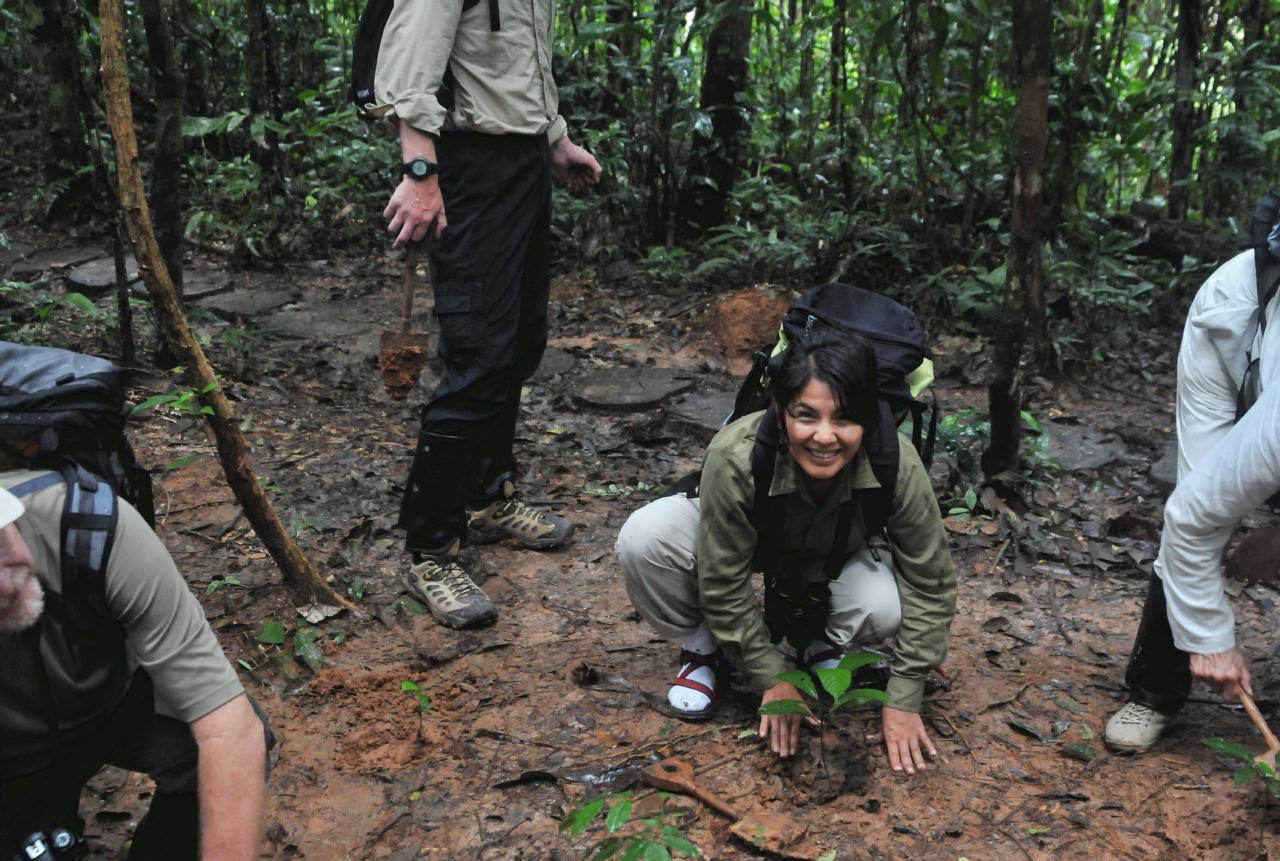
x,y
688,562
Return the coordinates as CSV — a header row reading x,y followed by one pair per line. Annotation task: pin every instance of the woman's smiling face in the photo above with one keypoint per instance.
x,y
822,439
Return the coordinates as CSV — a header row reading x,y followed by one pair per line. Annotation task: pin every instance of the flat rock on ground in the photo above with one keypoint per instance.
x,y
555,362
58,258
99,276
701,414
197,284
1164,472
14,254
627,389
246,304
1078,447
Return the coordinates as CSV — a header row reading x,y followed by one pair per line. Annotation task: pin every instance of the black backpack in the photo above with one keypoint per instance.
x,y
71,408
368,41
1264,239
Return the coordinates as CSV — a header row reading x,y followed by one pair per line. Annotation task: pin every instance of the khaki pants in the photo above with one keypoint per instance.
x,y
658,550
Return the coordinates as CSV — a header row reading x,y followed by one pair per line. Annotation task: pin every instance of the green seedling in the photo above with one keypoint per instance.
x,y
837,684
651,838
215,585
1251,769
421,697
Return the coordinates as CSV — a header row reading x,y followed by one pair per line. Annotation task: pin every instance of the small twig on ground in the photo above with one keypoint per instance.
x,y
200,535
1056,610
499,735
1005,702
1000,555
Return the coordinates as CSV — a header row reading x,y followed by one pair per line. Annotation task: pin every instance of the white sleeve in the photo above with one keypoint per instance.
x,y
1234,477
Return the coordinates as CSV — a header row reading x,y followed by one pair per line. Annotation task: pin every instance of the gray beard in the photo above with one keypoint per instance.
x,y
25,609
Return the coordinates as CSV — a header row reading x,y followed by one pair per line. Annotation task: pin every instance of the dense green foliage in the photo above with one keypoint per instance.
x,y
878,136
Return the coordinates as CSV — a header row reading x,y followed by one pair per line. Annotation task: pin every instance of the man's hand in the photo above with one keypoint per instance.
x,y
575,167
1228,672
906,740
782,731
416,208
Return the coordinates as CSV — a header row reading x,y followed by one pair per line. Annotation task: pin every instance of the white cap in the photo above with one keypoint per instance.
x,y
10,508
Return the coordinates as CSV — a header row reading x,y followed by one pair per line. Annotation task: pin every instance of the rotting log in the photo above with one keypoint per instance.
x,y
233,453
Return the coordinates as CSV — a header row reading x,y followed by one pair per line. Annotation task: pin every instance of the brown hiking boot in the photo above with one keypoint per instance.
x,y
450,594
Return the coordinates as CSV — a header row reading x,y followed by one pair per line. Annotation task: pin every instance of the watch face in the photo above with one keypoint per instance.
x,y
421,167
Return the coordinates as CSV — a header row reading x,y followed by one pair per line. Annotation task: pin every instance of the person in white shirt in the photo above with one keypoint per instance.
x,y
1228,464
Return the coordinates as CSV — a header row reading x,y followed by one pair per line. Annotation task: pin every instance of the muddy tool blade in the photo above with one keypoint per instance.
x,y
772,831
1268,757
1257,557
403,354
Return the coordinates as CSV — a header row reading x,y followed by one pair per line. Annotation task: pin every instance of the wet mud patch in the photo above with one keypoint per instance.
x,y
826,768
375,725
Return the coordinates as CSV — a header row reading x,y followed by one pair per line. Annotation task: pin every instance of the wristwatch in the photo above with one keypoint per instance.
x,y
420,168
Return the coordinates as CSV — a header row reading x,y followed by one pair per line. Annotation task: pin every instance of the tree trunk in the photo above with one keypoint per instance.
x,y
264,81
168,199
64,105
232,451
1023,289
1184,107
1063,176
622,51
718,158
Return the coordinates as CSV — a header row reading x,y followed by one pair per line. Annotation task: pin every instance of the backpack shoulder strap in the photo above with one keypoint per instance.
x,y
767,513
1266,269
881,446
90,511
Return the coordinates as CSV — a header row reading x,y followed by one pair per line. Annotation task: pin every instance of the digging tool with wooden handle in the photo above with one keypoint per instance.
x,y
403,354
1273,744
676,775
775,832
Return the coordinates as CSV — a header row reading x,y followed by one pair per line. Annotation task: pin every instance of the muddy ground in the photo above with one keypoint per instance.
x,y
552,706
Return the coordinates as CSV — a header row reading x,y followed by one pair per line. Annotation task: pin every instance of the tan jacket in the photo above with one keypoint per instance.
x,y
727,541
502,80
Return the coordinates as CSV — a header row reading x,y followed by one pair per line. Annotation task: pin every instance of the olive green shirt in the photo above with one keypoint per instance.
x,y
924,572
502,81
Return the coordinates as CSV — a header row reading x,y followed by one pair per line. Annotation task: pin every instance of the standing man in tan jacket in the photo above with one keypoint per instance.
x,y
470,87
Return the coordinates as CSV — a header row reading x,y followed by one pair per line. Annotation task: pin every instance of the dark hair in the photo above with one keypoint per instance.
x,y
846,363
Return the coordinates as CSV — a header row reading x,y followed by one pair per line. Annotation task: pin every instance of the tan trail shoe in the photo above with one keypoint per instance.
x,y
1136,728
449,593
511,518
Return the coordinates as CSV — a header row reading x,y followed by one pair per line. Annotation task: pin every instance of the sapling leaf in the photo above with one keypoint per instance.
x,y
802,680
855,661
860,696
1230,748
607,848
152,402
580,819
834,680
785,707
677,841
271,632
1243,775
619,815
306,647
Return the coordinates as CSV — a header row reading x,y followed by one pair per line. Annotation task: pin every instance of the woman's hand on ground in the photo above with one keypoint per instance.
x,y
906,740
782,731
